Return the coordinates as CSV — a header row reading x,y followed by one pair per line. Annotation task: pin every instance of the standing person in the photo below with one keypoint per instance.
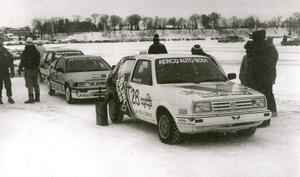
x,y
263,70
157,47
6,63
30,60
197,50
245,68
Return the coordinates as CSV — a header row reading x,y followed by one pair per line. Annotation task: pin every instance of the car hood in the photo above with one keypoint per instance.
x,y
208,90
92,76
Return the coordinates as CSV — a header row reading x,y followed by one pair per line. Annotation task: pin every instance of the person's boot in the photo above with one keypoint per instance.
x,y
30,100
10,100
1,101
37,97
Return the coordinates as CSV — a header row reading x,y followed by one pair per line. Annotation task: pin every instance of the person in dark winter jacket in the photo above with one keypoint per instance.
x,y
6,63
263,69
157,47
30,60
245,68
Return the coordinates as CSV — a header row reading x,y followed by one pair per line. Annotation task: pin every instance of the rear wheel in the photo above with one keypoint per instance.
x,y
68,95
167,130
50,90
115,114
247,132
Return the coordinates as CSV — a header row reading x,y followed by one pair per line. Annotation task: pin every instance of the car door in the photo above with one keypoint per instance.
x,y
42,64
58,76
140,87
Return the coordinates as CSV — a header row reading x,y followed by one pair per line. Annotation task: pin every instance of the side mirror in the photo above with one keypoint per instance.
x,y
231,76
113,67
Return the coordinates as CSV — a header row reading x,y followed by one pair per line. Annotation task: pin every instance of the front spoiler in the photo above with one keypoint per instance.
x,y
227,123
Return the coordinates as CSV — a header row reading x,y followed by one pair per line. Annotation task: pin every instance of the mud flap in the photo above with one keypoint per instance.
x,y
101,113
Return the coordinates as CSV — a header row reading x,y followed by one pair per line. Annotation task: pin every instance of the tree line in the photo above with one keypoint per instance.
x,y
105,22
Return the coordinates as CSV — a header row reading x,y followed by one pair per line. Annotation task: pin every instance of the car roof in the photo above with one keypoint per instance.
x,y
157,56
62,50
81,57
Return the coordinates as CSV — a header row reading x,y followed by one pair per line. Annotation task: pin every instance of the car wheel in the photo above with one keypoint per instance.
x,y
247,132
167,130
115,114
68,95
50,90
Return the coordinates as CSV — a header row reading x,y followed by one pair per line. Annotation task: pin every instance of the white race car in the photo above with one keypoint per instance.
x,y
183,94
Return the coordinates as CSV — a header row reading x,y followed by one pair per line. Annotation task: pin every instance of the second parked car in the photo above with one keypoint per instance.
x,y
78,77
52,54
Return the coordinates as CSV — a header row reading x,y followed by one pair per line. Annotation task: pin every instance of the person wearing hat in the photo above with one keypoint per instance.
x,y
264,58
157,47
245,68
30,60
197,50
6,64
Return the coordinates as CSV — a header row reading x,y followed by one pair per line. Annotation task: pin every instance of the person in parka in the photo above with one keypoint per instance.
x,y
30,60
263,69
6,64
245,68
157,47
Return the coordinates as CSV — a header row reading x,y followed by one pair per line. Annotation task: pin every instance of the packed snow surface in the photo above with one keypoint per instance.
x,y
55,139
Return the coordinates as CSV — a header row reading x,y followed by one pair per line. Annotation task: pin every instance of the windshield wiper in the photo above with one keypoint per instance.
x,y
211,80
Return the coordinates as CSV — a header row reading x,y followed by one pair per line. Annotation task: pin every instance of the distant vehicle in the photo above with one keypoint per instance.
x,y
227,39
51,55
290,41
16,53
183,94
78,77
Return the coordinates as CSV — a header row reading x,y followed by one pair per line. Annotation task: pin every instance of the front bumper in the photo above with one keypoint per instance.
x,y
221,123
88,93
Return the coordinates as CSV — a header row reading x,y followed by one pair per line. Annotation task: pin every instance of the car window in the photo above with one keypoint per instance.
x,y
86,64
142,72
61,64
187,70
43,58
49,57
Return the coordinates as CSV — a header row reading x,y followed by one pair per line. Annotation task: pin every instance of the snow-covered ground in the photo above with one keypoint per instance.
x,y
55,139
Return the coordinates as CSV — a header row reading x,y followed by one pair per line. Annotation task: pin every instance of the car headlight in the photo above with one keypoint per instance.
x,y
201,107
259,102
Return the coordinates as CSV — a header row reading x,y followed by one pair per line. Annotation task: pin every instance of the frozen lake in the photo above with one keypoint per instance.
x,y
55,139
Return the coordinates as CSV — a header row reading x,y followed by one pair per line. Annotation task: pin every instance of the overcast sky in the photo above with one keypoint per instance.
x,y
17,13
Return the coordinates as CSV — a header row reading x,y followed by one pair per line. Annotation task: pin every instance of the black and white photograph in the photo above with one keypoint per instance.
x,y
149,88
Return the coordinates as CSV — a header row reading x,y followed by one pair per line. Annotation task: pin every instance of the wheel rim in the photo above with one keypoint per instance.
x,y
164,126
68,94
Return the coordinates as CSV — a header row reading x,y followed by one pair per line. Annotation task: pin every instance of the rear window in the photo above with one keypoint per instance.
x,y
68,53
86,64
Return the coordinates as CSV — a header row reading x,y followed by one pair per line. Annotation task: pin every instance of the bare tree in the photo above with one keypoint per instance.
x,y
115,20
38,25
133,21
95,17
215,19
104,21
194,20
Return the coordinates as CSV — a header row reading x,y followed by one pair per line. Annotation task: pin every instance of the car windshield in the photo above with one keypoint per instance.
x,y
86,64
187,70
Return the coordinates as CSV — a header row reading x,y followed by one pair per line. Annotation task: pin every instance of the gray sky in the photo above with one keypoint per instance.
x,y
21,12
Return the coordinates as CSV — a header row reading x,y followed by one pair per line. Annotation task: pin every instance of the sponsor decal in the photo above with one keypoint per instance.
x,y
218,90
166,61
147,102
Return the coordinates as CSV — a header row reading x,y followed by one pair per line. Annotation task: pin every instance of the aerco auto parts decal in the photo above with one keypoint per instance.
x,y
166,61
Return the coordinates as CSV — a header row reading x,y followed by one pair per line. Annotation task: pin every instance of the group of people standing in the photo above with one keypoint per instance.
x,y
30,61
258,68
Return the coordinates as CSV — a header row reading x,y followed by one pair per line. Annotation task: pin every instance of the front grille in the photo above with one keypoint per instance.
x,y
231,105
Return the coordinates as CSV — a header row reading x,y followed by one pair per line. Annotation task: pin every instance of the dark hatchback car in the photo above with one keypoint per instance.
x,y
231,39
51,55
